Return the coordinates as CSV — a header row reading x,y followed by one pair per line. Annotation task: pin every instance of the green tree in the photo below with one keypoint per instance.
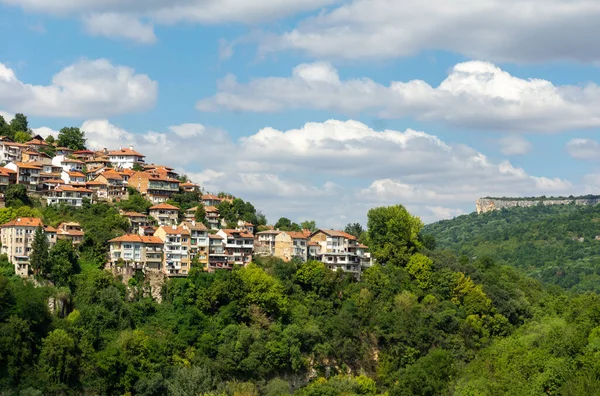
x,y
135,203
58,361
393,233
72,137
137,167
286,224
310,225
200,214
40,257
50,139
22,137
64,263
354,229
16,196
5,128
19,124
420,267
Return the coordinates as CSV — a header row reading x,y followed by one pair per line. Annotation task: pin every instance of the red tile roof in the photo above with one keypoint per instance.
x,y
24,222
175,231
126,152
164,206
137,238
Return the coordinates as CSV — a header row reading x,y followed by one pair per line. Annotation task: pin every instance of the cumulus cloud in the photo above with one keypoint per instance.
x,y
7,116
514,145
45,132
474,95
123,26
88,88
334,171
499,30
123,18
584,149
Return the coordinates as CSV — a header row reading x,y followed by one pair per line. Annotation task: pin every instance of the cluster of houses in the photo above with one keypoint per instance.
x,y
157,241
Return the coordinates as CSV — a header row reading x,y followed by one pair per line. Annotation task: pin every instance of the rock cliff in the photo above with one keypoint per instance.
x,y
484,205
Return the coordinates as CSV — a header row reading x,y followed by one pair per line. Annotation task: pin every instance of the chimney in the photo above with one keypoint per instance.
x,y
130,147
174,226
193,223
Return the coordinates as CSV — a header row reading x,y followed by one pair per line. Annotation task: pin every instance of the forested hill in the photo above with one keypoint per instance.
x,y
555,244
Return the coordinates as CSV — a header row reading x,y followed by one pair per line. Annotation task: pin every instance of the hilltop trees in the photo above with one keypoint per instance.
x,y
39,258
71,137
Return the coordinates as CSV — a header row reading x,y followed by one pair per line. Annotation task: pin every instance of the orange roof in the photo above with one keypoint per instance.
x,y
24,222
214,236
76,174
64,149
95,183
71,232
241,233
164,206
196,226
211,209
37,142
49,229
67,187
188,184
336,233
111,175
29,165
175,231
72,161
296,234
83,152
6,172
360,245
137,238
54,181
311,243
210,196
126,152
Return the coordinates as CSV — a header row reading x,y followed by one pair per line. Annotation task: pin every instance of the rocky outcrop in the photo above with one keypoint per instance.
x,y
484,205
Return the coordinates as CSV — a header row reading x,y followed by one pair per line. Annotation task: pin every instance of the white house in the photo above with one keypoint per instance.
x,y
125,158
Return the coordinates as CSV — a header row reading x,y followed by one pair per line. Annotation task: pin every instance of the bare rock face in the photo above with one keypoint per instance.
x,y
484,205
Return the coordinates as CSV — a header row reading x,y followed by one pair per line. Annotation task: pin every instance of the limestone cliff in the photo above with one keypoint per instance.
x,y
484,205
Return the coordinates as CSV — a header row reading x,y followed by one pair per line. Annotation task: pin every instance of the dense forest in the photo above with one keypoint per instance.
x,y
423,321
555,244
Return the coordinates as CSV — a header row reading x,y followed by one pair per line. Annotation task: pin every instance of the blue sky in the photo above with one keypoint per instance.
x,y
322,109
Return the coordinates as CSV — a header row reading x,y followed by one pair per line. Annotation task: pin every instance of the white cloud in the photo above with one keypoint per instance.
x,y
119,26
45,132
109,17
334,171
498,30
475,95
514,145
584,149
7,116
89,88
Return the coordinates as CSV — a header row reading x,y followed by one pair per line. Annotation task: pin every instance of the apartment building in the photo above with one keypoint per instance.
x,y
136,220
70,230
165,214
212,217
137,252
239,246
116,189
125,158
154,186
210,200
338,250
190,187
68,195
198,243
286,245
28,174
37,143
217,258
7,177
35,156
68,164
176,260
73,177
84,155
10,151
17,239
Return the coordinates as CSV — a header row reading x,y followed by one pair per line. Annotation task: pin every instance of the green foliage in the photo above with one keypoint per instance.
x,y
58,361
285,224
39,259
393,233
22,137
63,260
200,214
231,212
16,196
310,225
19,124
5,128
50,139
555,244
135,203
71,137
420,267
137,167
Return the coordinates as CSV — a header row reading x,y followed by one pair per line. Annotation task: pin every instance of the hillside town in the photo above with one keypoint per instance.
x,y
166,239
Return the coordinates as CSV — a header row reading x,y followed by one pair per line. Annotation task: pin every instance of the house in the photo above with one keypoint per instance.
x,y
17,239
337,250
161,170
70,230
136,220
116,188
176,260
190,187
99,189
83,155
165,214
73,177
7,177
10,151
157,188
217,259
147,230
212,217
211,200
28,174
198,242
239,245
68,164
64,151
190,214
97,162
125,158
244,225
30,155
68,195
286,245
37,143
137,252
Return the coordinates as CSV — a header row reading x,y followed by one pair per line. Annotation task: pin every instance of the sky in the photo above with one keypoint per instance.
x,y
322,109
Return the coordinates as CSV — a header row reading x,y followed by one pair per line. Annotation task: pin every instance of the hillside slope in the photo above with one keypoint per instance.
x,y
555,244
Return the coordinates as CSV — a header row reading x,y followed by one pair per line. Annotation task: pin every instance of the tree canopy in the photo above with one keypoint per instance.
x,y
71,137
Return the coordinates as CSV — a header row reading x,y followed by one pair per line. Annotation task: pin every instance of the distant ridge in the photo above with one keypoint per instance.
x,y
488,204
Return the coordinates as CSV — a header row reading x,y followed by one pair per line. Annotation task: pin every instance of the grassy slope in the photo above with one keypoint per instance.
x,y
542,240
